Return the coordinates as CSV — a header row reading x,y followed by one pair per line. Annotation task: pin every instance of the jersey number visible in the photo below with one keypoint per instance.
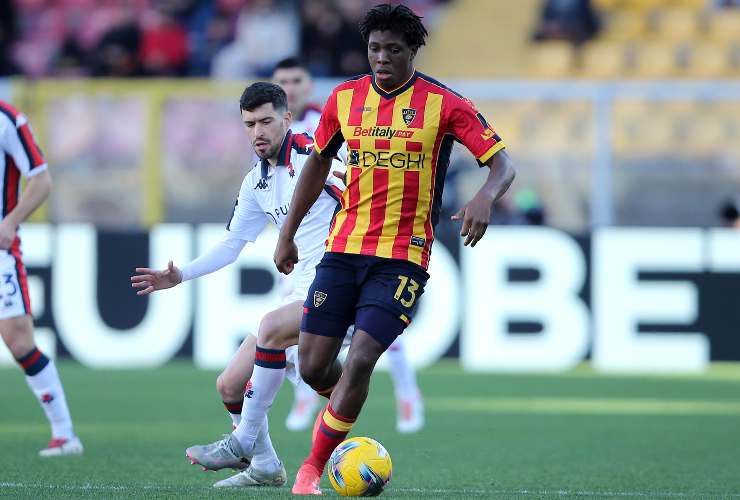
x,y
410,286
11,285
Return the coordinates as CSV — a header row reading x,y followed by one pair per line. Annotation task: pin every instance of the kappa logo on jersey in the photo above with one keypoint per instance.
x,y
408,115
318,298
261,184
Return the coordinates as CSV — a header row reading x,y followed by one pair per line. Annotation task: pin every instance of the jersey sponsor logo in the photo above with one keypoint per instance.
x,y
261,184
408,115
418,241
386,132
387,159
318,298
363,109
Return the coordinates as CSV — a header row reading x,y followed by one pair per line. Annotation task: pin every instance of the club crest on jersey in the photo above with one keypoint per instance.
x,y
408,115
318,298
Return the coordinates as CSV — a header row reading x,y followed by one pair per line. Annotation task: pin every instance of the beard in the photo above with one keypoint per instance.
x,y
268,153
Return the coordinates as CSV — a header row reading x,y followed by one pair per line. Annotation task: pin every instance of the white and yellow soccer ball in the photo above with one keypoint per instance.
x,y
359,467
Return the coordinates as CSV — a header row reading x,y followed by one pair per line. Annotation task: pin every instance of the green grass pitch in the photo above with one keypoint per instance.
x,y
574,435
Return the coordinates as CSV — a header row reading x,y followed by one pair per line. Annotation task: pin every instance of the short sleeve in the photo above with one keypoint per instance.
x,y
19,143
328,136
248,219
472,130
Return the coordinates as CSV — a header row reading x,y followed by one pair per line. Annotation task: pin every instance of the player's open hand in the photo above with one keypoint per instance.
x,y
150,280
286,255
475,216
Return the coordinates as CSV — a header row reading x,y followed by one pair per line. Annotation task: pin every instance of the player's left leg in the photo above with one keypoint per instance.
x,y
250,445
409,402
43,380
232,381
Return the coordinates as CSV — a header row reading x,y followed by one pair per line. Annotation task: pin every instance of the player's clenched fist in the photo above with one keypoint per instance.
x,y
286,255
151,280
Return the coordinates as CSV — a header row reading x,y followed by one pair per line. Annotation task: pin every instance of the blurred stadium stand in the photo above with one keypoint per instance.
x,y
620,128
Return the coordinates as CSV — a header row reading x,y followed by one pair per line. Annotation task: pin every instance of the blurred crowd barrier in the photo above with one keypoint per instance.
x,y
129,154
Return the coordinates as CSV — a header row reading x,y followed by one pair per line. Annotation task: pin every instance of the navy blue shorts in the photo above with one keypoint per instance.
x,y
376,294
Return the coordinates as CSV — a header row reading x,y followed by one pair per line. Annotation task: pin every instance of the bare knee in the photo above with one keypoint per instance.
x,y
228,389
272,332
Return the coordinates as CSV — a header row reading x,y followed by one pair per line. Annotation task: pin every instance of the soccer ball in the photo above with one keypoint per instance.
x,y
359,467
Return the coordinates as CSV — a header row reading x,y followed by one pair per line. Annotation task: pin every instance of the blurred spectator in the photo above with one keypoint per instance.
x,y
266,32
7,35
117,52
352,59
163,49
320,31
71,60
574,21
729,213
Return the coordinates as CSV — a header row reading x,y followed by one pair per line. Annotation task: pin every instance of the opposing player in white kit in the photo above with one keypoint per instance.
x,y
295,79
264,197
21,156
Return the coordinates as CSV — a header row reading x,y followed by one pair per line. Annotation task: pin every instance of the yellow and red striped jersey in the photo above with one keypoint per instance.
x,y
398,150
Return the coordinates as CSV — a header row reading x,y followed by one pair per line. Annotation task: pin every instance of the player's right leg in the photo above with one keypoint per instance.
x,y
232,381
16,328
43,380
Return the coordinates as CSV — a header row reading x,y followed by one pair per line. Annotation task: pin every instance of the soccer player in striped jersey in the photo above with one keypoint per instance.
x,y
399,126
21,156
295,79
264,198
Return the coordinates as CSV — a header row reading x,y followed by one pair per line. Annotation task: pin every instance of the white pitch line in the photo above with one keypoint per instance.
x,y
422,491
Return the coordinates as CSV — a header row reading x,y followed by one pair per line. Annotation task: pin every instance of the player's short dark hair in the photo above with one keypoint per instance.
x,y
261,93
290,63
397,19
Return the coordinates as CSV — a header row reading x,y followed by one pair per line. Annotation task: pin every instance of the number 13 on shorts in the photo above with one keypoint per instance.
x,y
406,291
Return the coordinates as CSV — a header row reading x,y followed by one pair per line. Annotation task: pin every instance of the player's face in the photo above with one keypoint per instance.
x,y
391,58
266,128
297,84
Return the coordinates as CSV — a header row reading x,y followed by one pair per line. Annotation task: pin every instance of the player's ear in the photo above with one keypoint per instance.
x,y
413,52
288,117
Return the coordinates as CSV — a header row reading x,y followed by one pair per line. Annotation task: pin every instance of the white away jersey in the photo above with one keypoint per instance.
x,y
19,155
308,121
265,196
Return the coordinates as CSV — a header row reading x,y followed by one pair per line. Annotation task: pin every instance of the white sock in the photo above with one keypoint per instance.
x,y
47,387
304,393
402,373
265,457
232,407
267,378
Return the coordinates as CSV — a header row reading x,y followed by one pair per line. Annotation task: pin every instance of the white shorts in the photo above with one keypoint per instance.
x,y
14,298
294,287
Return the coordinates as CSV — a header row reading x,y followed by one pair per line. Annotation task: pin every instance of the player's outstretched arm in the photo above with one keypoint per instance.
x,y
151,280
476,214
307,190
